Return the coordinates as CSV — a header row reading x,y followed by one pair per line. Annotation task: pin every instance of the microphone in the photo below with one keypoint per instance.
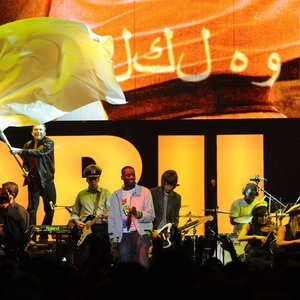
x,y
131,211
51,205
258,179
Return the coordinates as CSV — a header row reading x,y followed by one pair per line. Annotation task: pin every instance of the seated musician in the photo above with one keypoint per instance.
x,y
240,213
259,233
241,208
14,221
288,238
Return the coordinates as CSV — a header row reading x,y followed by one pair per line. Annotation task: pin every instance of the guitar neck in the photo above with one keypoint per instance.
x,y
93,221
188,225
195,223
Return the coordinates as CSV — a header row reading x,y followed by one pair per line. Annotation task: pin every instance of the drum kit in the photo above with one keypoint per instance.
x,y
211,210
200,247
280,208
278,214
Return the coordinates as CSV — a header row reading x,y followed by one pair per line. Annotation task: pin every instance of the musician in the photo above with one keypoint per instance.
x,y
240,213
38,160
91,206
167,204
259,233
242,207
288,236
130,219
14,220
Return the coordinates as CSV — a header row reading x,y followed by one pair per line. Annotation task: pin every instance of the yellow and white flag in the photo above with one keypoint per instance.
x,y
50,67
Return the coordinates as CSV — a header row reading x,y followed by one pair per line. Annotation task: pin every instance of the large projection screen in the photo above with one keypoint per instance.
x,y
190,59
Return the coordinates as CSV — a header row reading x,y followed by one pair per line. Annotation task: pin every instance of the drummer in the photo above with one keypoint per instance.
x,y
240,211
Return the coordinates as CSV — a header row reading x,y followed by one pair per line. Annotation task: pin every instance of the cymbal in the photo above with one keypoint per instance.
x,y
215,210
243,220
278,215
190,216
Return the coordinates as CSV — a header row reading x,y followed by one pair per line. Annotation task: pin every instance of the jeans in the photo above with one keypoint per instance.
x,y
135,247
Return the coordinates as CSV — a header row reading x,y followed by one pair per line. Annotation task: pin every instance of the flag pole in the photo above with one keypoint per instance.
x,y
5,140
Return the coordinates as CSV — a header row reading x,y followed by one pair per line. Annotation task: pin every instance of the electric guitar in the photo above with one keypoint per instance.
x,y
165,232
87,229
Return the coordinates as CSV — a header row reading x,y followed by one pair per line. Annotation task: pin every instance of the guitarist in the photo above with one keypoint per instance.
x,y
90,203
167,204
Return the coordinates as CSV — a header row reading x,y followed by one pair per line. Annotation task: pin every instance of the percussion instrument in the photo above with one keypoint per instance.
x,y
278,215
243,220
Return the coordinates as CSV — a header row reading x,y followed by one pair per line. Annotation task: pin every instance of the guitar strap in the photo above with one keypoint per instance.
x,y
96,203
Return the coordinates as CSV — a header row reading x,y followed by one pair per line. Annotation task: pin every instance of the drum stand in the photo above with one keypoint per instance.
x,y
184,232
194,255
205,253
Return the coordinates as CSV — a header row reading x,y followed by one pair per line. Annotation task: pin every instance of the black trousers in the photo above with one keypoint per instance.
x,y
48,194
95,247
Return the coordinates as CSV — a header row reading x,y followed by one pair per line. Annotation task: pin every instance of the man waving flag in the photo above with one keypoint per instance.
x,y
50,67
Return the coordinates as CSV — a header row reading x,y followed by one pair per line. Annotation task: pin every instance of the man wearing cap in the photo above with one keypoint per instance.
x,y
288,237
89,215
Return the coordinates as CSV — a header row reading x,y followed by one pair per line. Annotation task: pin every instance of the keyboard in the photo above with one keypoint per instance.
x,y
53,228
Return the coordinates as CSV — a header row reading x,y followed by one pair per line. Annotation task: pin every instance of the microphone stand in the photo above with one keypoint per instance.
x,y
297,200
194,243
194,256
271,198
215,211
68,207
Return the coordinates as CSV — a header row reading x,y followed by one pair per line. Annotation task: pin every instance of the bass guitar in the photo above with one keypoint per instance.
x,y
89,222
165,232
